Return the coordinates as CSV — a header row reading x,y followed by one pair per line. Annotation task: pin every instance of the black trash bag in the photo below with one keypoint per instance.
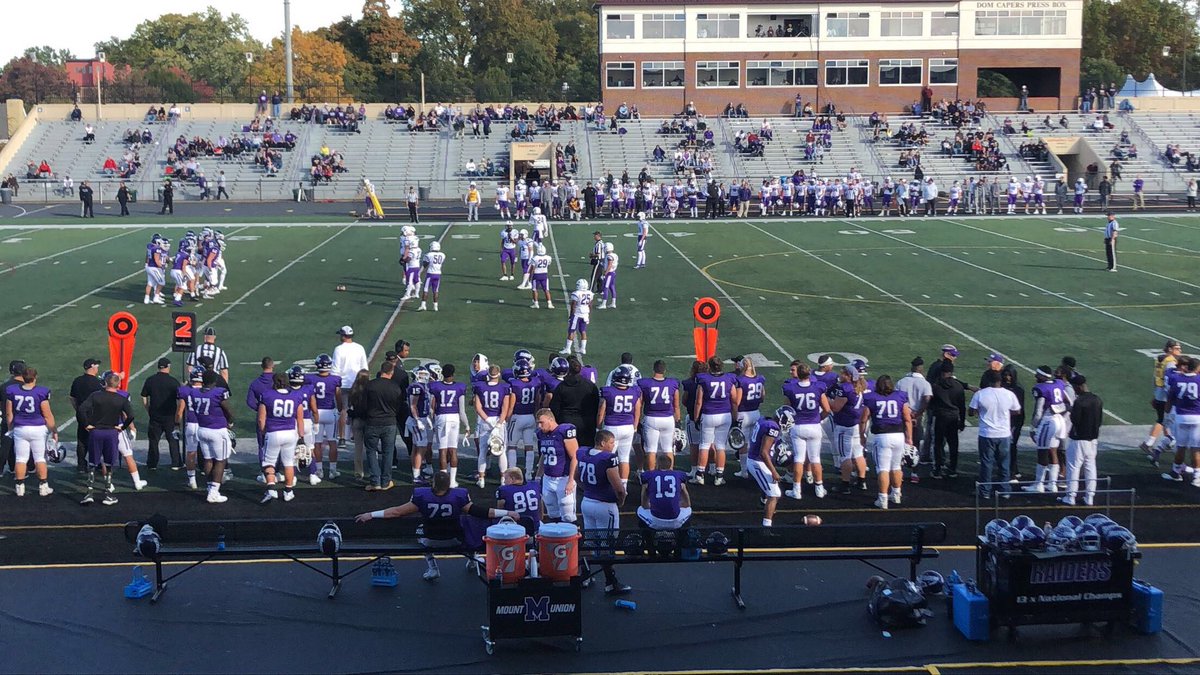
x,y
898,603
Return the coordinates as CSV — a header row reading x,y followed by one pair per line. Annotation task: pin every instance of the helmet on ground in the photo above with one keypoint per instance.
x,y
717,543
932,582
324,362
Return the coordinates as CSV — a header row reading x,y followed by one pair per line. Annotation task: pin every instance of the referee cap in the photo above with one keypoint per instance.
x,y
950,349
210,332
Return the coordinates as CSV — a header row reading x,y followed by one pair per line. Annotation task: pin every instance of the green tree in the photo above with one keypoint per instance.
x,y
49,56
1132,34
206,45
370,42
34,82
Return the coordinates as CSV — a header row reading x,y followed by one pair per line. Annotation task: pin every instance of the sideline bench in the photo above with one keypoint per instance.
x,y
862,542
200,541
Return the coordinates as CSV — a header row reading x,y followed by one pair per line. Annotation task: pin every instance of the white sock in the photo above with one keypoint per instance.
x,y
766,522
1041,473
454,473
528,465
135,476
1150,441
568,347
1053,474
583,345
511,456
416,474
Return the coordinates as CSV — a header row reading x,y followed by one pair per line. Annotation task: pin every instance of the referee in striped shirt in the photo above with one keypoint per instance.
x,y
210,349
596,257
1111,229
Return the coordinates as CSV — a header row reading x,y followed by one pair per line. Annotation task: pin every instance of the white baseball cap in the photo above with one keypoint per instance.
x,y
346,331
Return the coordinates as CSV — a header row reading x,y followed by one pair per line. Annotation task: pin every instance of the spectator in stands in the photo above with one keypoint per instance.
x,y
89,133
276,104
471,169
262,102
1132,150
1106,190
1191,192
1114,170
76,114
202,183
174,113
11,184
43,170
68,186
110,167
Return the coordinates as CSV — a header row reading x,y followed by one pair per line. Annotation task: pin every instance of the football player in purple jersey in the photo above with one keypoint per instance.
x,y
440,508
211,406
281,421
327,389
662,414
891,428
491,409
665,504
558,446
31,423
806,395
449,419
716,409
1049,428
846,403
525,392
603,494
752,388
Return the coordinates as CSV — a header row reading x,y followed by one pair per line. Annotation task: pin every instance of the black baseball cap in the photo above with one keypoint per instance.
x,y
210,331
164,362
90,363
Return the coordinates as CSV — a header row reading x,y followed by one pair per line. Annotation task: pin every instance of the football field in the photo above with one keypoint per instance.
x,y
1032,289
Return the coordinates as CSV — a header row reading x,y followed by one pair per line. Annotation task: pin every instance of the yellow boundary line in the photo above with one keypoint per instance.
x,y
253,561
931,668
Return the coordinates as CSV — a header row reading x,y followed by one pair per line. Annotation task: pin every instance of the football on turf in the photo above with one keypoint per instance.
x,y
340,287
812,521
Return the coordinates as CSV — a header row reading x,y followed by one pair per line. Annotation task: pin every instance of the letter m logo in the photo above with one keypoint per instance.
x,y
537,609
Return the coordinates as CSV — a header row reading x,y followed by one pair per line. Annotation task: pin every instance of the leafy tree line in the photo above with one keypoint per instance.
x,y
461,48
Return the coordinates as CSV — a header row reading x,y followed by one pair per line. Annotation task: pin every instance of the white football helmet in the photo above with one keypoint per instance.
x,y
641,215
303,455
608,247
408,230
541,250
435,246
537,210
581,285
524,233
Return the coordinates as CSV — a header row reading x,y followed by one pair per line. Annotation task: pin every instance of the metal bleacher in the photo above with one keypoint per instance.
x,y
784,154
1162,129
60,144
389,155
1147,165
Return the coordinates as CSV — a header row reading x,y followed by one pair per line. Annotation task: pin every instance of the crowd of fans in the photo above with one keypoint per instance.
x,y
346,117
325,164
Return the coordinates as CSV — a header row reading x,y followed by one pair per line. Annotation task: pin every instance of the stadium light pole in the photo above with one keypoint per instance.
x,y
1166,52
101,57
250,76
287,48
395,67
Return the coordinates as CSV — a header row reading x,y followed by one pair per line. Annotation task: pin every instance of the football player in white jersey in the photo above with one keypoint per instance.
x,y
537,224
432,263
412,273
580,312
508,252
643,233
525,251
608,283
502,203
540,268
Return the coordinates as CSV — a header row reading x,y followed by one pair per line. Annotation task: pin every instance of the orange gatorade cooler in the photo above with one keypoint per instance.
x,y
506,551
558,551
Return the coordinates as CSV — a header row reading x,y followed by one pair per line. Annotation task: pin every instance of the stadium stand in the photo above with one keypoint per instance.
x,y
1170,130
785,153
60,144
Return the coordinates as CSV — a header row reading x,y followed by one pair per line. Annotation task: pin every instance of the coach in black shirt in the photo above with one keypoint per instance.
x,y
576,400
106,413
81,388
948,413
16,375
160,396
381,400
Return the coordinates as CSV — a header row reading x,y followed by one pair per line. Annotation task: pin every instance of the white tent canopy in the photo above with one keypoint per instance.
x,y
1149,87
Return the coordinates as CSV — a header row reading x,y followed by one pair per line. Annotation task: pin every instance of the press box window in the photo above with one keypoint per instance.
x,y
847,24
662,26
781,73
717,25
899,71
618,26
943,23
662,74
847,73
718,74
943,71
619,75
901,24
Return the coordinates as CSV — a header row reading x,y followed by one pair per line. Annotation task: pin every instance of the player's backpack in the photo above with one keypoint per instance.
x,y
898,603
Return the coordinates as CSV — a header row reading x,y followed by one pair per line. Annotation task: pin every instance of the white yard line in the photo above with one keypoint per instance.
x,y
396,312
1078,255
723,293
153,362
44,208
70,250
562,278
69,303
1027,284
911,306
